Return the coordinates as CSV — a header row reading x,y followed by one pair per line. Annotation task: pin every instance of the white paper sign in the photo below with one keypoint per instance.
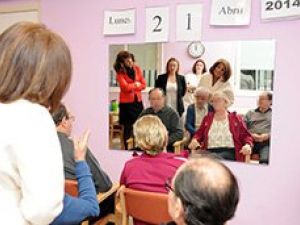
x,y
230,12
157,24
189,22
119,22
277,9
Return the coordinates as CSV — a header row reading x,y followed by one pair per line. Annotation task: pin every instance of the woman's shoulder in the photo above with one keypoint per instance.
x,y
172,156
235,116
182,77
137,68
207,75
162,76
24,108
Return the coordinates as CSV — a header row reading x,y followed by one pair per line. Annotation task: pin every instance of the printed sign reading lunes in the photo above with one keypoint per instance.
x,y
119,22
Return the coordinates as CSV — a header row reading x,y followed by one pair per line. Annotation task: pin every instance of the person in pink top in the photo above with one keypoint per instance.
x,y
150,170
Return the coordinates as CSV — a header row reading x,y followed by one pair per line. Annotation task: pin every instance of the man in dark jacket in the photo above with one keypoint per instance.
x,y
168,116
64,121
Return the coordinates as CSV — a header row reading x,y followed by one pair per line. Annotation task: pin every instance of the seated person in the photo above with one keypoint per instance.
x,y
168,116
259,125
222,132
86,205
64,125
203,191
149,171
197,111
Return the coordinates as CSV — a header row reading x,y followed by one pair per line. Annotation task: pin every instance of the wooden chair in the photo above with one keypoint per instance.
x,y
115,129
71,188
149,207
178,145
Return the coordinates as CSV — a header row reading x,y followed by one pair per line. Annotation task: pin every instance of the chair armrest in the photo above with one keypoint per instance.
x,y
104,195
178,145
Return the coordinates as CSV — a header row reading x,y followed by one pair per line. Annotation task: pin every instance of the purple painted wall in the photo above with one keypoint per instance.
x,y
269,195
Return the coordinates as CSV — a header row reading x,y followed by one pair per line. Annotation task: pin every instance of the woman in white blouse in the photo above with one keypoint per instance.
x,y
192,80
218,79
35,72
222,132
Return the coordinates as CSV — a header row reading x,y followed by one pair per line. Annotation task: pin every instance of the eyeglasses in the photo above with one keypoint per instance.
x,y
168,185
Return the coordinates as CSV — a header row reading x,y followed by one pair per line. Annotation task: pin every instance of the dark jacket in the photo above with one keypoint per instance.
x,y
100,178
171,120
161,82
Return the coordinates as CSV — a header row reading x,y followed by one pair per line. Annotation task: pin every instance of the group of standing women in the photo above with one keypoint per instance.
x,y
179,89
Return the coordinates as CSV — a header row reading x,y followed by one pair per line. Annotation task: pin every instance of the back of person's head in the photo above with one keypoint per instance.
x,y
208,191
150,134
59,114
35,64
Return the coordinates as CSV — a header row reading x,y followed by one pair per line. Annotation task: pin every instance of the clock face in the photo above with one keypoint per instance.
x,y
196,49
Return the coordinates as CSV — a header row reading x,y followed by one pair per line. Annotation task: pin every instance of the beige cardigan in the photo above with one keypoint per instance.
x,y
207,80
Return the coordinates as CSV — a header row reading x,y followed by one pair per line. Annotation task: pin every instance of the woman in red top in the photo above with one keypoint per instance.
x,y
222,132
131,82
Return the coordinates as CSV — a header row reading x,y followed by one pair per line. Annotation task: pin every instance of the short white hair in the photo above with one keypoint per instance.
x,y
202,91
222,95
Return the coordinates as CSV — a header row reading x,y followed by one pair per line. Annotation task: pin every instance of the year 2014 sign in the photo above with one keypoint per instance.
x,y
279,9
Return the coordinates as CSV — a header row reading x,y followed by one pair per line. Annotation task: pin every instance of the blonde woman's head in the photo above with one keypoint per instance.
x,y
150,134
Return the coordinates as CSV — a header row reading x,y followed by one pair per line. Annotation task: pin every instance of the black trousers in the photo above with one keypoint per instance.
x,y
224,153
129,113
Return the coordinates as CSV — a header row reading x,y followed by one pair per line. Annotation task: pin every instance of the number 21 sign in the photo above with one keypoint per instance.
x,y
157,24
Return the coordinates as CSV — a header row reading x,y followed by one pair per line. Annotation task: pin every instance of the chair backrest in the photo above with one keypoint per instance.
x,y
71,187
148,207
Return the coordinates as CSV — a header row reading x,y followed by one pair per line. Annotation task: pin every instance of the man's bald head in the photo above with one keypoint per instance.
x,y
208,191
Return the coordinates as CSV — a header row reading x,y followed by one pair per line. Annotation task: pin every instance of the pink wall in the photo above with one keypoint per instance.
x,y
270,195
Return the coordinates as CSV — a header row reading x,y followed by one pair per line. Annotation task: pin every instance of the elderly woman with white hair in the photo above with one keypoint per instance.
x,y
149,171
222,132
198,110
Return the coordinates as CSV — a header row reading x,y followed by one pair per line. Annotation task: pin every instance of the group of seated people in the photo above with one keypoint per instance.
x,y
210,126
190,183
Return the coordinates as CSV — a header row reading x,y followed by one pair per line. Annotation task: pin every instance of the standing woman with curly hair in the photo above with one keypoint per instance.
x,y
131,82
218,79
